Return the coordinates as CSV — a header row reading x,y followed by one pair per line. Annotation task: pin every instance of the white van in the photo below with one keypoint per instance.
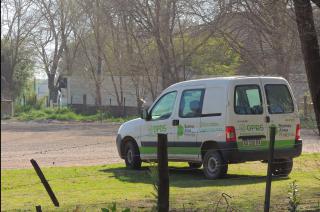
x,y
217,121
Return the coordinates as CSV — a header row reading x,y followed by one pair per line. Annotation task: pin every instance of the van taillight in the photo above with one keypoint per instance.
x,y
298,129
230,134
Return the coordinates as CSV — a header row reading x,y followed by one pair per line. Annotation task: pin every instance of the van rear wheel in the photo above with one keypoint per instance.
x,y
132,156
213,165
282,167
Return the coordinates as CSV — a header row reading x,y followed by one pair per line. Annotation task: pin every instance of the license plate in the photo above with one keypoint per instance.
x,y
252,142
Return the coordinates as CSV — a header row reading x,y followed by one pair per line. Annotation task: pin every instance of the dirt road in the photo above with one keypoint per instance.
x,y
57,144
73,144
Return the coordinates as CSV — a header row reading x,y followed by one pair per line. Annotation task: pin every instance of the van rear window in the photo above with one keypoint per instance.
x,y
279,99
247,100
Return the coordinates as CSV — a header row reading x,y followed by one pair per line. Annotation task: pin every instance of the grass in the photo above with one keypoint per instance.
x,y
65,114
91,188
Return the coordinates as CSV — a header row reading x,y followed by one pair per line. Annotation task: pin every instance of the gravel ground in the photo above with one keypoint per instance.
x,y
74,143
57,144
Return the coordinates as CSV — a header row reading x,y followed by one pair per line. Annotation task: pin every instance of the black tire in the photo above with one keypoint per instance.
x,y
282,167
132,156
194,165
213,165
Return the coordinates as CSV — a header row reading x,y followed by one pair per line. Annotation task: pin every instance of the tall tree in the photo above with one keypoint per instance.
x,y
50,39
161,20
310,50
264,34
91,32
17,23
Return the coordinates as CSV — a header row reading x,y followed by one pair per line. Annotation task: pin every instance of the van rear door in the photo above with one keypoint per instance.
x,y
281,111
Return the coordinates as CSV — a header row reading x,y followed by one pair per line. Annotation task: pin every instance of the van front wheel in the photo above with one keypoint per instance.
x,y
132,156
213,165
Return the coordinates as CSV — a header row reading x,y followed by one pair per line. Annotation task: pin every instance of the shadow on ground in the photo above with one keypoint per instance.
x,y
185,177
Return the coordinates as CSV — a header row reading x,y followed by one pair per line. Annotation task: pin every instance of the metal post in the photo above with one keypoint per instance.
x,y
163,172
45,182
269,173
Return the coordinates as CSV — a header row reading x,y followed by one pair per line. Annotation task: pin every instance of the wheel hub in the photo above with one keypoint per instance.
x,y
129,156
212,165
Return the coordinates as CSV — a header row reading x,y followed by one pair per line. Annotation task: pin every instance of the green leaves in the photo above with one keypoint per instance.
x,y
215,57
293,196
113,208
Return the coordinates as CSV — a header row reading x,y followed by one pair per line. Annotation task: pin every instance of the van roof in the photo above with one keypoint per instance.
x,y
218,81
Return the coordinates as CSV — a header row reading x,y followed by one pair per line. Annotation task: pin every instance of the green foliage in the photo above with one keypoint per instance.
x,y
113,208
215,57
293,195
27,113
15,74
31,102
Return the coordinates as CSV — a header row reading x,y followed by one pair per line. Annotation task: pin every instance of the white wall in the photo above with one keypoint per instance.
x,y
78,86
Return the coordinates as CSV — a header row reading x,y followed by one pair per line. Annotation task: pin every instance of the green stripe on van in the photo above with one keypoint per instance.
x,y
172,150
279,144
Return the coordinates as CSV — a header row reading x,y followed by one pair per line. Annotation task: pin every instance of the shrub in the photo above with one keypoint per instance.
x,y
293,195
27,113
113,208
31,102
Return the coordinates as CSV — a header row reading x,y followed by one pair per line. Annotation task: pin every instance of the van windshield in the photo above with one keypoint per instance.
x,y
164,107
279,99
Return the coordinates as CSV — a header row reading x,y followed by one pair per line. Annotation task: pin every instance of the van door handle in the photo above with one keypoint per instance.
x,y
175,122
267,119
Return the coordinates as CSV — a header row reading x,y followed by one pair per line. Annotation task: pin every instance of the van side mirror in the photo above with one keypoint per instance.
x,y
145,115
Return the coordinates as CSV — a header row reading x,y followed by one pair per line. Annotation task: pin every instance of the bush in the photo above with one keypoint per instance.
x,y
293,196
31,102
63,114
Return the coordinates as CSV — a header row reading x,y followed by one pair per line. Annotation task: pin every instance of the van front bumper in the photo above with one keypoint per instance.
x,y
118,142
232,154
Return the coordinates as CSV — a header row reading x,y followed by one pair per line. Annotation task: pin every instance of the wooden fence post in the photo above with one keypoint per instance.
x,y
163,173
269,173
38,208
45,182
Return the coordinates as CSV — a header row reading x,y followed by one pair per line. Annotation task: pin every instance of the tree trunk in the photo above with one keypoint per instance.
x,y
98,95
53,91
310,50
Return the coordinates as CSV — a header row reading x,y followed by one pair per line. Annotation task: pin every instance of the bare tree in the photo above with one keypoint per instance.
x,y
50,39
264,34
161,20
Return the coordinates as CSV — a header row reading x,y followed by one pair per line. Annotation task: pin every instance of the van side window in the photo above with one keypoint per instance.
x,y
191,103
164,106
279,99
247,99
